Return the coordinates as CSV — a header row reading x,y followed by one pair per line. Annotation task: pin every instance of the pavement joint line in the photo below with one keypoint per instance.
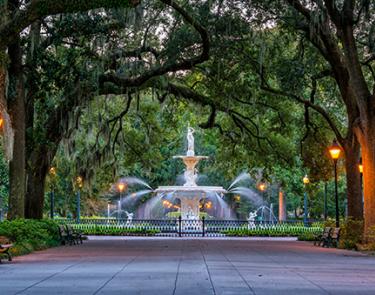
x,y
208,270
47,278
114,275
178,268
239,273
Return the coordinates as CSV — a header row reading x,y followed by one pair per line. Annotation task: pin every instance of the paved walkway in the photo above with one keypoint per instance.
x,y
189,266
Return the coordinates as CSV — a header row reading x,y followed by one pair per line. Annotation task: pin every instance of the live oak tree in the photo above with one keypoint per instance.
x,y
228,86
343,34
124,71
17,16
69,70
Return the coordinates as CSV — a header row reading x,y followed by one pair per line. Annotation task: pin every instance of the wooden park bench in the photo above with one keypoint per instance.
x,y
5,248
74,235
319,239
65,238
333,238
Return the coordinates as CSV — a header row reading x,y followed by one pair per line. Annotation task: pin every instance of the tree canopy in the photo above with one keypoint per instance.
x,y
105,89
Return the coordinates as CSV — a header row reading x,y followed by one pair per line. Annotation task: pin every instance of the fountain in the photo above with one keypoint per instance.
x,y
189,197
190,193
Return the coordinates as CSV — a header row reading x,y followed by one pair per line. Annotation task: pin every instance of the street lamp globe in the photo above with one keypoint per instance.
x,y
121,187
335,150
52,171
262,186
79,181
306,180
360,166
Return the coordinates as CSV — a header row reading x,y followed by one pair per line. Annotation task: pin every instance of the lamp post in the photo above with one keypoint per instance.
x,y
360,168
79,181
52,173
262,187
335,151
108,210
306,181
121,186
325,200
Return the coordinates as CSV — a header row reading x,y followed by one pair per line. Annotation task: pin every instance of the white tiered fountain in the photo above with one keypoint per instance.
x,y
190,193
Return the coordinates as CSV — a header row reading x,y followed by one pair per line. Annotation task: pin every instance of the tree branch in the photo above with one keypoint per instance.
x,y
169,66
38,9
308,103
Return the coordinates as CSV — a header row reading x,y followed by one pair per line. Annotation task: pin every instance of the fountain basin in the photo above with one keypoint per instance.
x,y
191,189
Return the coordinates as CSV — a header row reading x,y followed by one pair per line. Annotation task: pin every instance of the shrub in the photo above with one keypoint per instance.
x,y
29,235
277,230
351,234
308,236
114,229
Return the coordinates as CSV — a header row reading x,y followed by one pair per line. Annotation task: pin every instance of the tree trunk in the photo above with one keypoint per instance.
x,y
282,206
38,166
353,180
16,106
36,178
368,158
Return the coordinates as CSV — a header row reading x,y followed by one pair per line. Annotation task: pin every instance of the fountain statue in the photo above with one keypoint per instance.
x,y
190,139
129,217
190,193
251,220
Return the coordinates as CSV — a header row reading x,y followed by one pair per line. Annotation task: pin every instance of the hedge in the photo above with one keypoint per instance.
x,y
29,235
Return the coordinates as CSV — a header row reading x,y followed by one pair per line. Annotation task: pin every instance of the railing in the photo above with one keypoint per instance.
x,y
181,228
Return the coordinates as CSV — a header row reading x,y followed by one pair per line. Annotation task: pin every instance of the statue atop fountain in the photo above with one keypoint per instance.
x,y
190,139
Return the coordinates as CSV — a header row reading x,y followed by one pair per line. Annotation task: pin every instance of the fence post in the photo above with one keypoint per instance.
x,y
203,219
179,225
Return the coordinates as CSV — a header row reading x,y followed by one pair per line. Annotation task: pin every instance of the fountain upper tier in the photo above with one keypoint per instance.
x,y
191,172
190,193
190,176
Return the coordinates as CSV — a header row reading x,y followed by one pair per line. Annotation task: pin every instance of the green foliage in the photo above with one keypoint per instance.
x,y
351,234
114,230
29,235
278,230
4,181
253,131
307,236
